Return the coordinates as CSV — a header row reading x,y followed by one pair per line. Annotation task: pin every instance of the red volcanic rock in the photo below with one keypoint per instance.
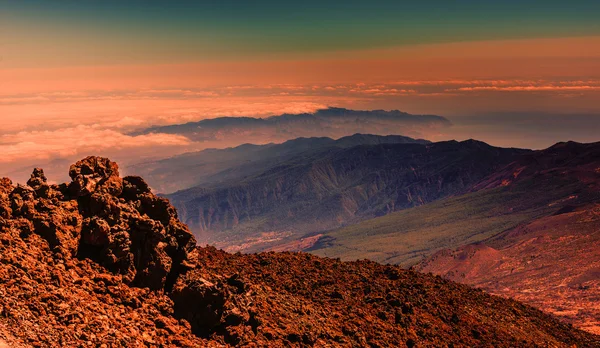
x,y
116,222
5,190
103,262
39,183
134,186
296,299
95,174
126,227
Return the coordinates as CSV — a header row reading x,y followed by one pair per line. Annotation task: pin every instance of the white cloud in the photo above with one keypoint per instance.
x,y
69,142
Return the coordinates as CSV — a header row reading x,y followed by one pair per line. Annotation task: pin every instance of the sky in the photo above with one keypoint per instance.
x,y
76,77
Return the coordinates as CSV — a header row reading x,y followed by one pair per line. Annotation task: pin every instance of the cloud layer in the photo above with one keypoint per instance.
x,y
399,88
67,142
64,124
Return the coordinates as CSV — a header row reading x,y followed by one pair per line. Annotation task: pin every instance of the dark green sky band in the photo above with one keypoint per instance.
x,y
246,27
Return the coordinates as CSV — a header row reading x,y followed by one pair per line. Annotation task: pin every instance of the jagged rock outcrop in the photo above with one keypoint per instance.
x,y
90,262
103,262
115,221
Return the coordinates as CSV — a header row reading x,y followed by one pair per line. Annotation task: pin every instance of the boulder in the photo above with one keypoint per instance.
x,y
95,174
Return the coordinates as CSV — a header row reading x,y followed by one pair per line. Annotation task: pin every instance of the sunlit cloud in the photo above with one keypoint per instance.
x,y
528,88
383,89
108,95
68,142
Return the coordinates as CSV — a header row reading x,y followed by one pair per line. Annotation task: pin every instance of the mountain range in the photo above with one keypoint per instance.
x,y
533,185
318,190
213,167
102,261
330,122
489,217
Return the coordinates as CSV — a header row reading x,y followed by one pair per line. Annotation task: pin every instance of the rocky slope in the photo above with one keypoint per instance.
x,y
103,262
319,191
551,261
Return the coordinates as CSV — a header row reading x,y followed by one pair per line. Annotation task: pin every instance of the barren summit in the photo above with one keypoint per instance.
x,y
102,261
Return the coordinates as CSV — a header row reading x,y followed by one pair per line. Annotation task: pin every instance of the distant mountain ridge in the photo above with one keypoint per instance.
x,y
318,122
572,160
331,122
211,167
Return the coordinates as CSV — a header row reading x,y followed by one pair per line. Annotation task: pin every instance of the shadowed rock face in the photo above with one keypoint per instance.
x,y
102,260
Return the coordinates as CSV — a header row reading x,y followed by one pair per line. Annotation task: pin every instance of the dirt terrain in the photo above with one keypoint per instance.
x,y
552,263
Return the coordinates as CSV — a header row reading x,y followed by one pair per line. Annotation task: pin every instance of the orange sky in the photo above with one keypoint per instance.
x,y
500,59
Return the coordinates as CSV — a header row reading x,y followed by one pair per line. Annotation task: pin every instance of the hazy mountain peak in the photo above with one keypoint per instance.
x,y
331,122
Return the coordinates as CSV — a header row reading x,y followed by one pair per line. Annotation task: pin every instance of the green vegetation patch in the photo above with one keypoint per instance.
x,y
407,236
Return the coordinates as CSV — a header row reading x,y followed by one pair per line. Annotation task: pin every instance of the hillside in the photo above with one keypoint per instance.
x,y
101,261
551,261
571,161
529,232
317,191
534,185
214,167
407,236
